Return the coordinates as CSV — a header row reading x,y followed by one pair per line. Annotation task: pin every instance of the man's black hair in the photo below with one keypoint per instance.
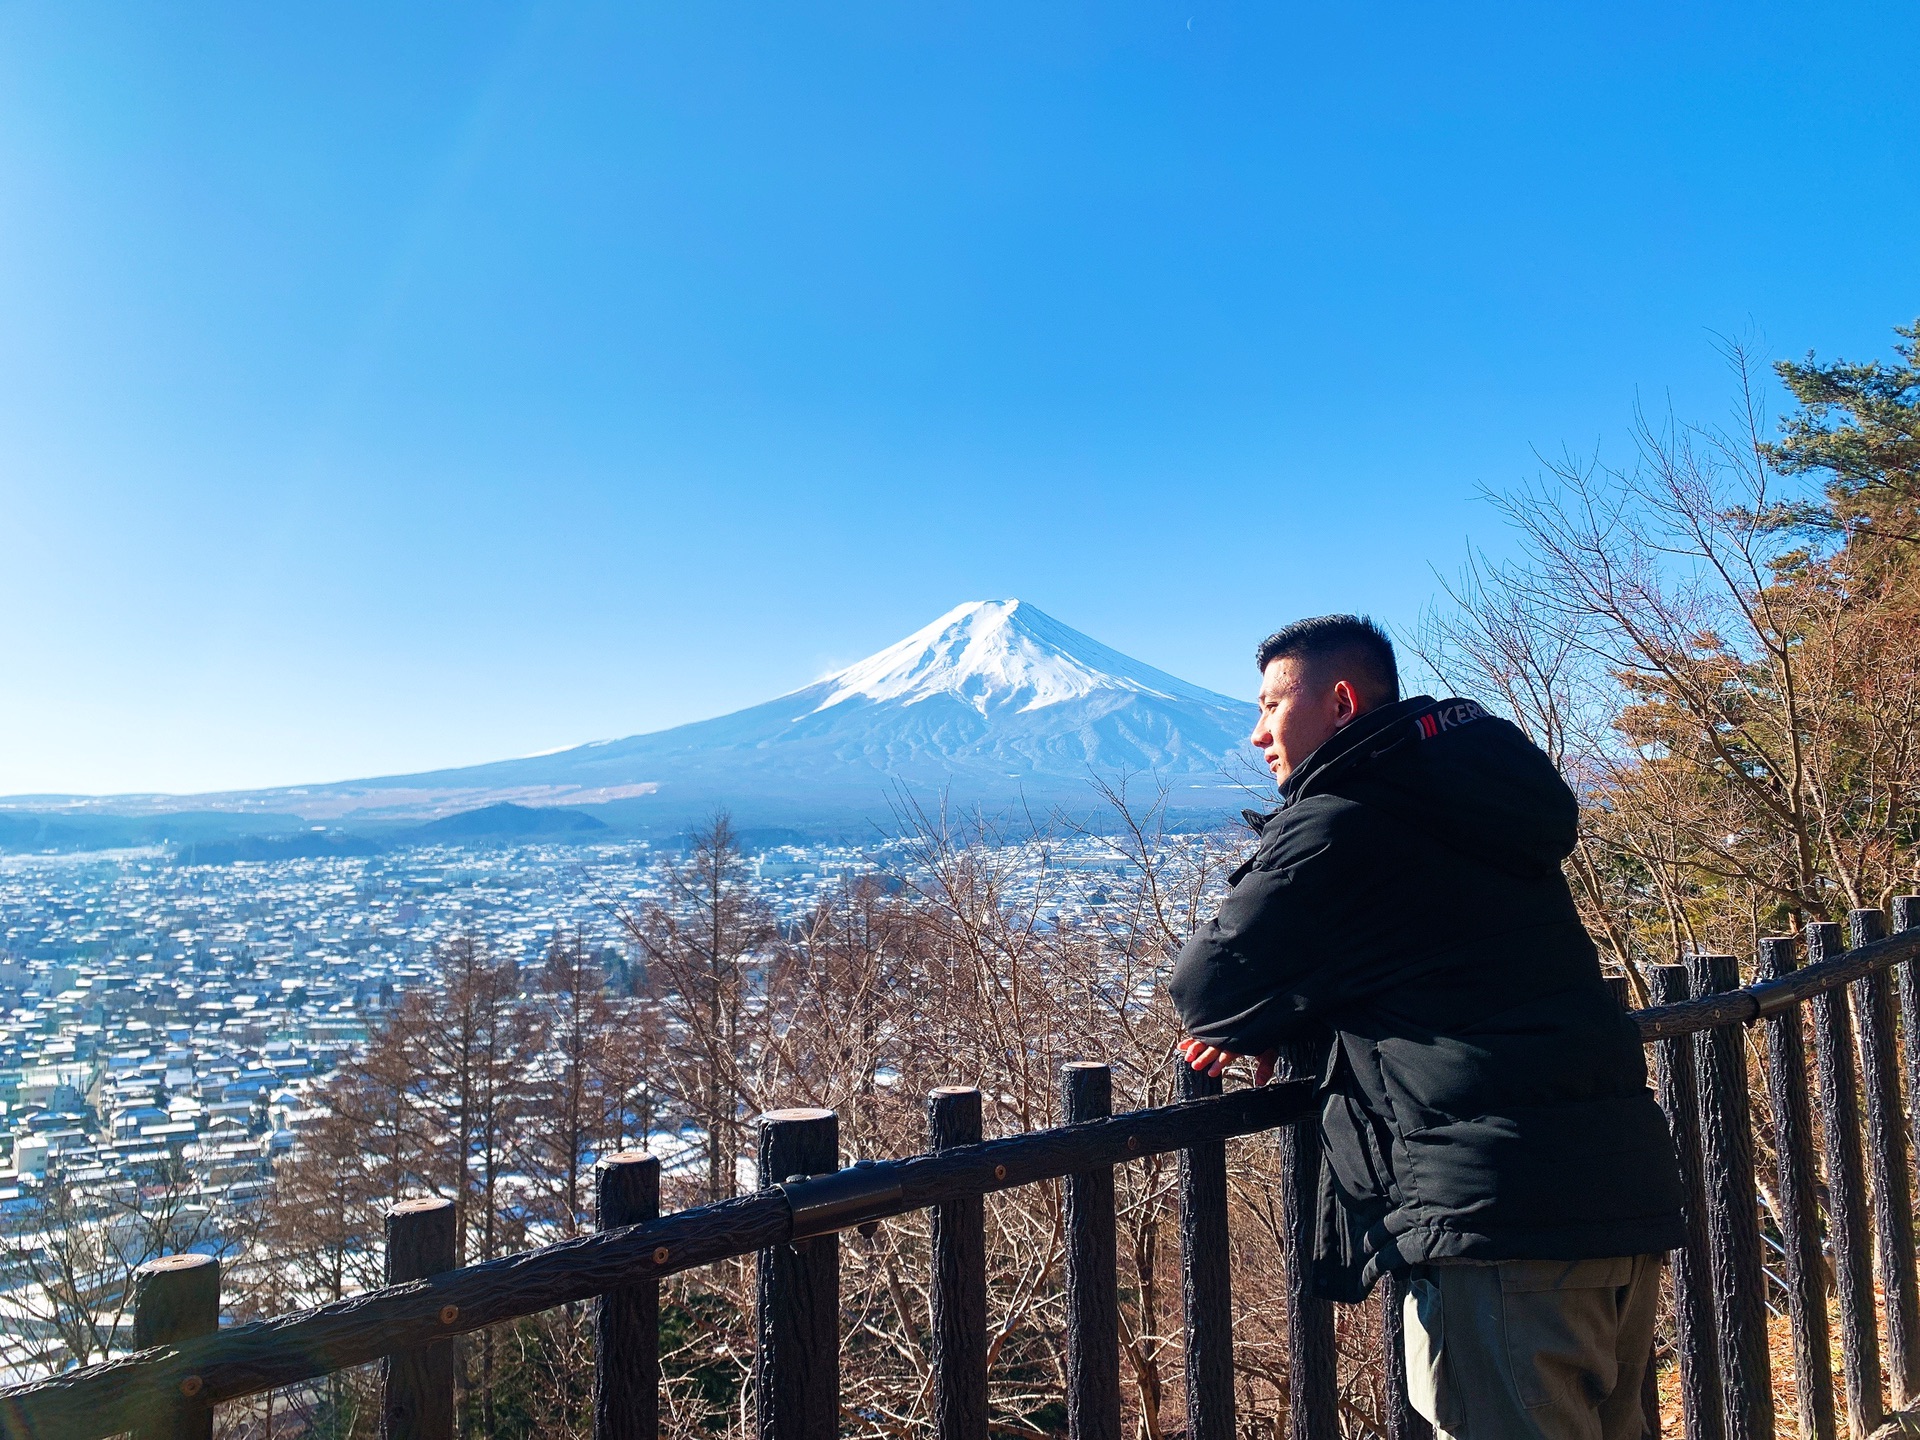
x,y
1352,638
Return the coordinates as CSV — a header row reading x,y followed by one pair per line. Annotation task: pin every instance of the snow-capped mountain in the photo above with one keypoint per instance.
x,y
994,703
998,656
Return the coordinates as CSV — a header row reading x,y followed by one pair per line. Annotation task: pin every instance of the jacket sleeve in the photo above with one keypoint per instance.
x,y
1265,969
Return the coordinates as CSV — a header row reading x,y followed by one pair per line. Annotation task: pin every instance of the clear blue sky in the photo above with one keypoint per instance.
x,y
386,386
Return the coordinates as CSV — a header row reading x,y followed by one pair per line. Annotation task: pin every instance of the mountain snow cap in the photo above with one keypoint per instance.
x,y
995,655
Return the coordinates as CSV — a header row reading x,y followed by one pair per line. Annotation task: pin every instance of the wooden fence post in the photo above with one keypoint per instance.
x,y
959,1294
177,1297
1846,1191
1312,1378
417,1396
1733,1210
1206,1273
626,1352
1906,979
796,1370
1886,1146
1693,1317
1804,1266
1093,1299
1906,916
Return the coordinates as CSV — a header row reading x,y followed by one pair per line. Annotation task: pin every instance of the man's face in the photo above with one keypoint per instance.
x,y
1299,713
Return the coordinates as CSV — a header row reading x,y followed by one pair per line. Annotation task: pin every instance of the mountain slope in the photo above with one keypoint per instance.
x,y
993,702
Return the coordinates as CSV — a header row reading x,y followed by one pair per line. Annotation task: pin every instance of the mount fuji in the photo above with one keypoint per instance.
x,y
995,703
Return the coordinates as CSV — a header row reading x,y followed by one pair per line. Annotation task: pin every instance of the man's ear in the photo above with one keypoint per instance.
x,y
1346,704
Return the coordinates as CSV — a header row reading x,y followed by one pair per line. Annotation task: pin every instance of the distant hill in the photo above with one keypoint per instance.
x,y
507,821
995,703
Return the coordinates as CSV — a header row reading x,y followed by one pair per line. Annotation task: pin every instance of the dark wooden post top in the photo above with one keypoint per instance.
x,y
175,1298
1086,1090
420,1240
626,1189
799,1141
954,1115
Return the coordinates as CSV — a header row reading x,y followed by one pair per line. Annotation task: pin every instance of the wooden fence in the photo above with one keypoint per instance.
x,y
1863,1004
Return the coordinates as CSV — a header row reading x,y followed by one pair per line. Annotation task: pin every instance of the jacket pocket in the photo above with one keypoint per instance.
x,y
1356,1140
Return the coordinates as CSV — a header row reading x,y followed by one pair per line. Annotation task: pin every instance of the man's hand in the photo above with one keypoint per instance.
x,y
1211,1060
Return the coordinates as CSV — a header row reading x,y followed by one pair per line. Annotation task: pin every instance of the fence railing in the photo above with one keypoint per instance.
x,y
186,1365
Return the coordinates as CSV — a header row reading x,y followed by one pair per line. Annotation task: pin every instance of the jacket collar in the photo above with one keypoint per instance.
x,y
1365,739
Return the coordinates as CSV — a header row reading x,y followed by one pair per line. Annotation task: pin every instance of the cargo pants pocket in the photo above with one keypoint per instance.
x,y
1562,1322
1424,1326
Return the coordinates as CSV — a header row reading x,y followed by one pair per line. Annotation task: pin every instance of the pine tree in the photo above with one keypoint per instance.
x,y
1858,427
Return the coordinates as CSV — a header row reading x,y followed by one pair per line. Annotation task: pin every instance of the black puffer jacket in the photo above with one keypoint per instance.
x,y
1485,1096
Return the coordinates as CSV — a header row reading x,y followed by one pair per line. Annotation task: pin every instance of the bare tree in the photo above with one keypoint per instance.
x,y
1738,711
704,944
70,1251
576,1087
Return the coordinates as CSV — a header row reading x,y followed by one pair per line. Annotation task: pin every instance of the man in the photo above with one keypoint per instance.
x,y
1486,1123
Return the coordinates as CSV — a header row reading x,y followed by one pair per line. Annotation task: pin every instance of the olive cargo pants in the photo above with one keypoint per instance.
x,y
1532,1349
